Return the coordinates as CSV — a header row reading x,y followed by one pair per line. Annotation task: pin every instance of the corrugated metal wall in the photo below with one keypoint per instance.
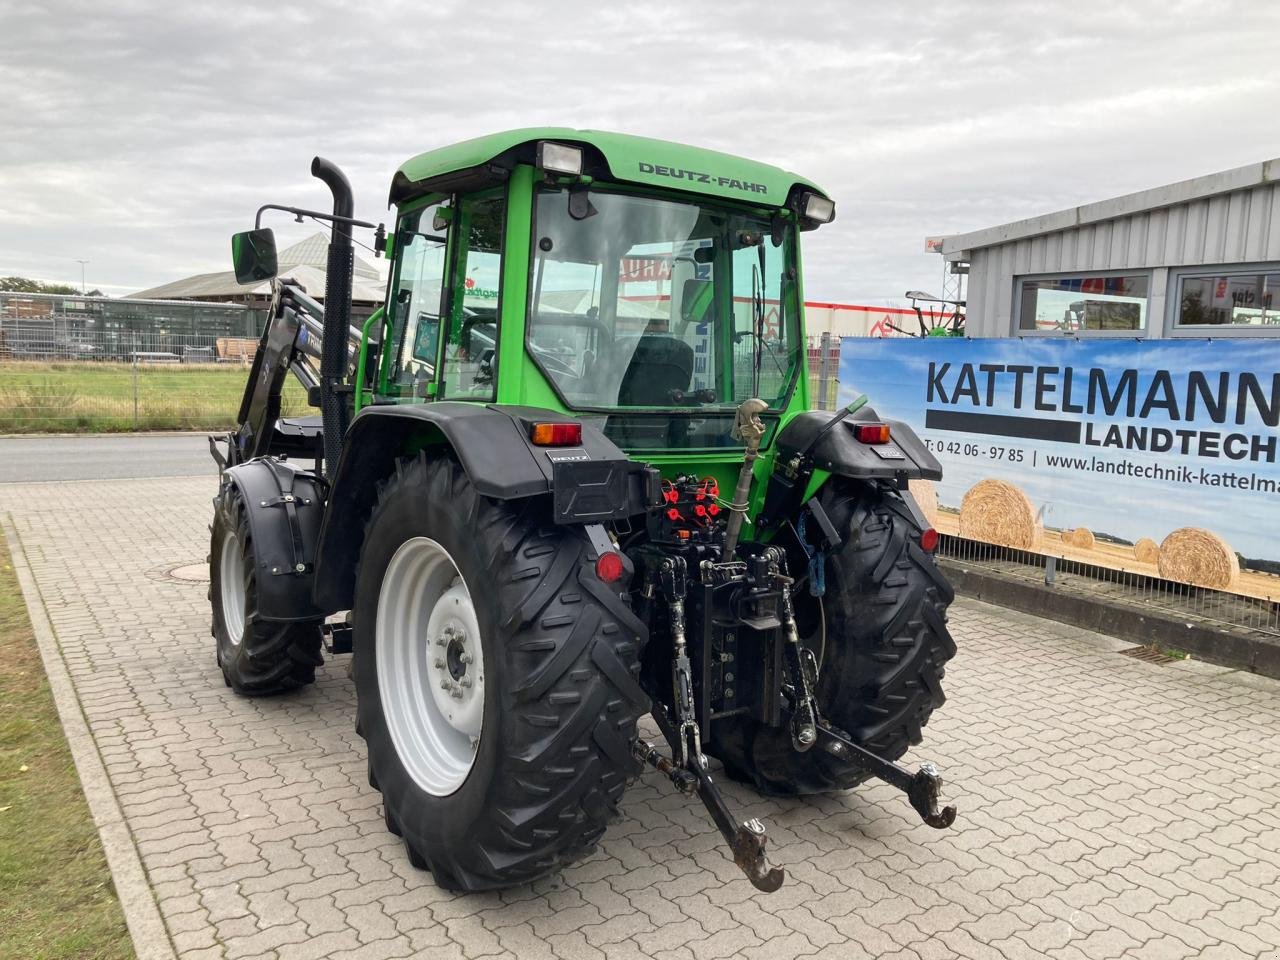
x,y
1238,227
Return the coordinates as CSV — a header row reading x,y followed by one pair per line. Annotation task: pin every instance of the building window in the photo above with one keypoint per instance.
x,y
1245,299
1083,303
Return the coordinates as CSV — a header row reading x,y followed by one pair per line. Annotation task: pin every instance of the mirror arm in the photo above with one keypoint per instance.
x,y
299,213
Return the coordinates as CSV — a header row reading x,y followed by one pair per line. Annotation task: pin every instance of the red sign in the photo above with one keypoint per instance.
x,y
644,269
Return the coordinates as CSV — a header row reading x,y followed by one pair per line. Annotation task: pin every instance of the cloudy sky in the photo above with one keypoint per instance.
x,y
139,135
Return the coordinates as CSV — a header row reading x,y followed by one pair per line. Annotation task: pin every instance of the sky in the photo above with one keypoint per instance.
x,y
139,136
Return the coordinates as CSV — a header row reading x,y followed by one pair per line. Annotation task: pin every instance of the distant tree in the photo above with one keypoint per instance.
x,y
24,285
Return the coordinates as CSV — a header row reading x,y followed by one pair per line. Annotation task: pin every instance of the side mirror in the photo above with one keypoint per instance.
x,y
696,297
253,255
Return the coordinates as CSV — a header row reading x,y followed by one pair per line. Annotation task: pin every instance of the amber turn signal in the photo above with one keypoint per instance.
x,y
556,434
872,432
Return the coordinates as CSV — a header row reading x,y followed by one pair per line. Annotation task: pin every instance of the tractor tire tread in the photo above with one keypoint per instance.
x,y
273,656
569,713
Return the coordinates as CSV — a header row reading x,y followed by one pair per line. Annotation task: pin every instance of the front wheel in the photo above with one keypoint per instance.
x,y
496,681
882,663
256,656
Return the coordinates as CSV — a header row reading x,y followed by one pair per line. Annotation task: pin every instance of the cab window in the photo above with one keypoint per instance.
x,y
470,352
418,300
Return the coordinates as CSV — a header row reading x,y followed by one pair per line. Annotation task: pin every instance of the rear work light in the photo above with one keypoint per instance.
x,y
819,208
559,158
556,434
872,432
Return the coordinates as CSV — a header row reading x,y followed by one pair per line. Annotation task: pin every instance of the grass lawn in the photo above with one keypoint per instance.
x,y
56,895
86,396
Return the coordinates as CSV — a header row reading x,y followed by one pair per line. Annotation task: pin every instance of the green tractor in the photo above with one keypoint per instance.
x,y
567,476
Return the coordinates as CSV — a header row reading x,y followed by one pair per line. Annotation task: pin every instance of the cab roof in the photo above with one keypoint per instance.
x,y
473,164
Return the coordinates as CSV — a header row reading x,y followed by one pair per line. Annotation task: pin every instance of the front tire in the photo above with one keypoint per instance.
x,y
256,656
522,776
880,679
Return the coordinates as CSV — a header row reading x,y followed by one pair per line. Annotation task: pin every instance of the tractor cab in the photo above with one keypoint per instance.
x,y
597,274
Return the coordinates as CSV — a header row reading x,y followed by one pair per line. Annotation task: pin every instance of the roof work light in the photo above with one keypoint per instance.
x,y
817,207
559,158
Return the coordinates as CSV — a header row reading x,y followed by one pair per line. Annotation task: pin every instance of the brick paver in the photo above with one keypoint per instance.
x,y
1108,808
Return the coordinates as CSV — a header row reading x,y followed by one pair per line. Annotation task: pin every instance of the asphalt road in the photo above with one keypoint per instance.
x,y
128,456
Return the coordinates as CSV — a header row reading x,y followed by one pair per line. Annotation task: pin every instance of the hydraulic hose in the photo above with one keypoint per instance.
x,y
750,429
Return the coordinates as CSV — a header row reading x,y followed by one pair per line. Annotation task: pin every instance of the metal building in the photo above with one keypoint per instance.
x,y
1197,258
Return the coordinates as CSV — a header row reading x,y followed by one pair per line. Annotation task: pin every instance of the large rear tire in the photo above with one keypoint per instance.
x,y
886,643
496,678
256,656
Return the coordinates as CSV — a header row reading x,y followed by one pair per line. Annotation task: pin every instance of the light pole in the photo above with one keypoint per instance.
x,y
82,286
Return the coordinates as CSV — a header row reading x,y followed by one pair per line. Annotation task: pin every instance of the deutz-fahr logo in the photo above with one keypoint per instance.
x,y
693,176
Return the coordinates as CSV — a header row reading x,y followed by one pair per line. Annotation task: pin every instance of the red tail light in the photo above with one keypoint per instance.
x,y
872,432
556,434
929,540
609,566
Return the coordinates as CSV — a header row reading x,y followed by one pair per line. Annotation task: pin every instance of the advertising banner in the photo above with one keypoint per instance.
x,y
1157,457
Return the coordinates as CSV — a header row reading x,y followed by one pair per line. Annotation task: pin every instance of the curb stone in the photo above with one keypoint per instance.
x,y
141,912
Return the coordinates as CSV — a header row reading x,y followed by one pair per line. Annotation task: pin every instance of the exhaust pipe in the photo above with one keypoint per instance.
x,y
335,405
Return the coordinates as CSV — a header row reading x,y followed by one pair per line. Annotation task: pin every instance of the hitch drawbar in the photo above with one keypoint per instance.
x,y
922,788
747,839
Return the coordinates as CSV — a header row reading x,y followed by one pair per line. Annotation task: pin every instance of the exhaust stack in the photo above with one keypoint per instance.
x,y
335,405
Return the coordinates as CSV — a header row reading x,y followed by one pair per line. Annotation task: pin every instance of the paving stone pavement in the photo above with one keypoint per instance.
x,y
1108,807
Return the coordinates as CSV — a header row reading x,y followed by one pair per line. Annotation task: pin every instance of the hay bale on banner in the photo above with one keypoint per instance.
x,y
1200,557
1147,550
997,512
926,496
1082,537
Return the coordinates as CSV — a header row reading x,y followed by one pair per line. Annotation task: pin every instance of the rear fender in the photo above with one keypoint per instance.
x,y
837,450
493,445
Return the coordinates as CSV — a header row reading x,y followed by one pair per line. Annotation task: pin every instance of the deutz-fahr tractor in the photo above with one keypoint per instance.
x,y
570,474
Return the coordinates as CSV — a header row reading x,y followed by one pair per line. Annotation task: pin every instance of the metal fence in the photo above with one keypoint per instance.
x,y
1231,611
59,373
823,355
149,392
46,327
62,377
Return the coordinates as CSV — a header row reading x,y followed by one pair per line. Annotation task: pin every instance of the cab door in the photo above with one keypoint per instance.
x,y
416,304
443,309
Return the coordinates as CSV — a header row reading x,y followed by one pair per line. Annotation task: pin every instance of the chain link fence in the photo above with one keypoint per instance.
x,y
152,390
1232,612
70,364
87,364
823,355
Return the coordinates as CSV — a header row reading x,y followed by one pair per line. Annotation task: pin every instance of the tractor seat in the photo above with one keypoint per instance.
x,y
660,365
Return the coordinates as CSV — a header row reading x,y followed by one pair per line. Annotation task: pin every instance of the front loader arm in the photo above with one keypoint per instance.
x,y
290,343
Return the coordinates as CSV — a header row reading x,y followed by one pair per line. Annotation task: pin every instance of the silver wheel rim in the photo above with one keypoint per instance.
x,y
231,579
430,665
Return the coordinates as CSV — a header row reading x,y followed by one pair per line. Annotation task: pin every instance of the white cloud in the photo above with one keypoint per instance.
x,y
140,134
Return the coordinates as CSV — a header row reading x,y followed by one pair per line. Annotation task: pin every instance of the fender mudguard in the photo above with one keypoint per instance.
x,y
492,442
285,507
903,458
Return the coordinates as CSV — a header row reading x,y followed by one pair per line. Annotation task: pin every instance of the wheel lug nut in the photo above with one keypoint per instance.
x,y
445,685
455,693
439,664
466,682
464,657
